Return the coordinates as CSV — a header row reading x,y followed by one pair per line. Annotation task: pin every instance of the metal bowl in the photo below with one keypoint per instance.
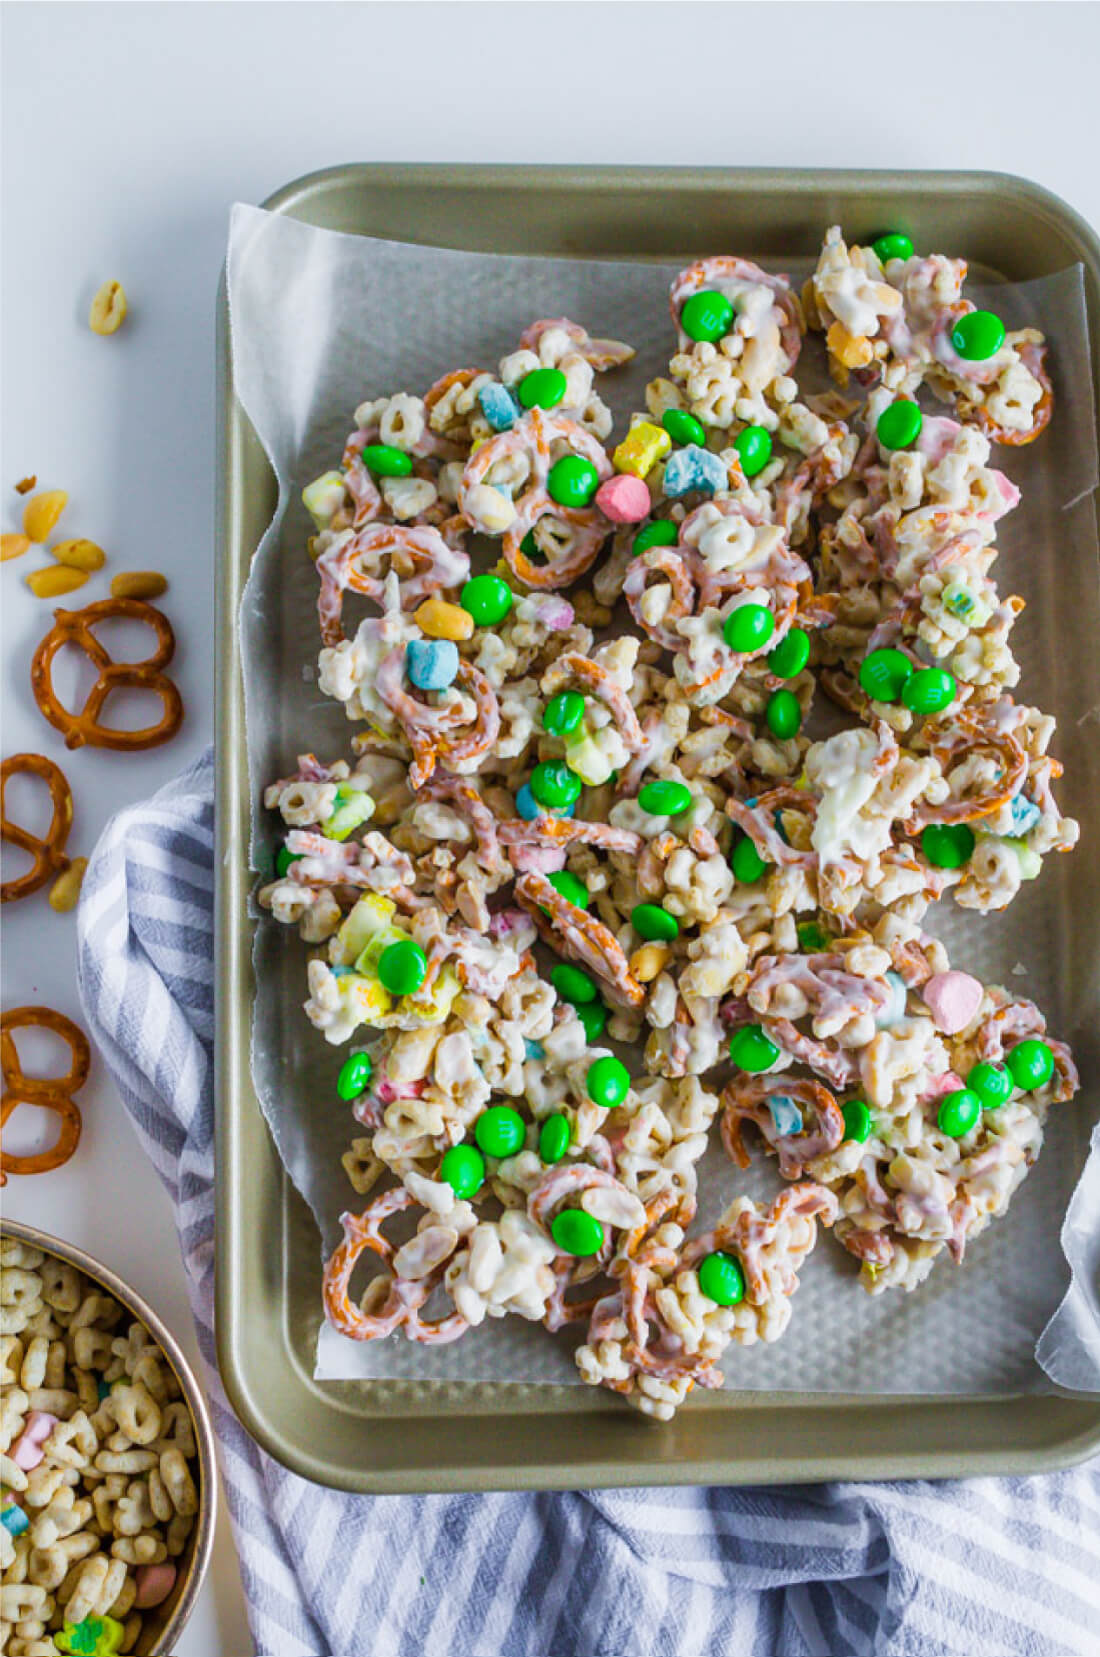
x,y
164,1624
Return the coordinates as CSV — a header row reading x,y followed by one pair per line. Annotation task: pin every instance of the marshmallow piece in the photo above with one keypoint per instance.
x,y
154,1584
952,998
27,1450
624,499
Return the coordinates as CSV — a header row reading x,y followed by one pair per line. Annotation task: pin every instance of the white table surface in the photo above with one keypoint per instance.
x,y
127,132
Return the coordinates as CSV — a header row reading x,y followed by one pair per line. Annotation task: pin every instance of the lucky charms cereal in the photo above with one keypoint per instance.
x,y
597,884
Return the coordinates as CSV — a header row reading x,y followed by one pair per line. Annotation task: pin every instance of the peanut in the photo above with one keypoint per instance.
x,y
13,546
42,512
25,485
138,584
79,555
66,888
850,349
55,581
108,310
647,962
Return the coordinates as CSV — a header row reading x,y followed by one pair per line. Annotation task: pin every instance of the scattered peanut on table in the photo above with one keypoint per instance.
x,y
42,512
138,584
13,546
108,311
65,891
55,581
80,554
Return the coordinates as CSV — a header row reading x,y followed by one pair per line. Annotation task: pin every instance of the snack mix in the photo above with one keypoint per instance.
x,y
583,817
98,1462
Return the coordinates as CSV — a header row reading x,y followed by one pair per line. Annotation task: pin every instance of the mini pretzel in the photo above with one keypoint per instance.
x,y
587,528
420,549
711,273
403,1298
54,1093
48,853
77,627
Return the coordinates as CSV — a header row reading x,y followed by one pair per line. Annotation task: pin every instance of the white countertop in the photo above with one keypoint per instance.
x,y
127,132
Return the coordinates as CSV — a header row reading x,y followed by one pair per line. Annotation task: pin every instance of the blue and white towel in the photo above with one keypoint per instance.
x,y
985,1568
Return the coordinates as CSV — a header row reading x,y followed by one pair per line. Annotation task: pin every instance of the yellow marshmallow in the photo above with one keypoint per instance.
x,y
642,447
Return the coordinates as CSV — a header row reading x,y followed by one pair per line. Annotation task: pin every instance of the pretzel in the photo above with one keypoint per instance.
x,y
587,529
53,1093
404,1297
77,627
711,273
420,549
1034,357
48,853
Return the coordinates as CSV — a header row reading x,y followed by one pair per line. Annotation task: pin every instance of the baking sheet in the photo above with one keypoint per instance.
x,y
322,320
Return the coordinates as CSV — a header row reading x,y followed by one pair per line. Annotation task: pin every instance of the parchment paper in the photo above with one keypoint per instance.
x,y
319,322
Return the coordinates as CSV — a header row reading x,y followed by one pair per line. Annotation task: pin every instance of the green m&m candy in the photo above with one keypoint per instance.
x,y
893,245
991,1082
748,627
487,598
463,1169
402,967
572,481
948,845
783,714
554,1137
1030,1064
542,388
751,1049
568,886
791,654
899,425
664,798
721,1278
283,860
812,939
649,920
754,448
706,315
573,984
500,1131
929,690
607,1082
553,784
576,1232
746,862
662,533
857,1120
683,427
958,1112
978,335
382,460
563,713
593,1015
354,1076
883,674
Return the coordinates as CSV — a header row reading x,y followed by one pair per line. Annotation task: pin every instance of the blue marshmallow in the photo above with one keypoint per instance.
x,y
14,1520
498,406
694,468
1025,814
534,1049
529,808
785,1114
895,1012
431,664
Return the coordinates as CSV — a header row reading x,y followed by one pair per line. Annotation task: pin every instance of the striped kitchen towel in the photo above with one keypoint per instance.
x,y
985,1568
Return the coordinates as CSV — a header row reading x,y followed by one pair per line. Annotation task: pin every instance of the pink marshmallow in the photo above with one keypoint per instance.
x,y
555,613
27,1450
952,998
623,499
154,1584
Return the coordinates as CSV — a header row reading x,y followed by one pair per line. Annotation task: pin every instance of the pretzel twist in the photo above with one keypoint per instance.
x,y
51,1093
77,627
48,851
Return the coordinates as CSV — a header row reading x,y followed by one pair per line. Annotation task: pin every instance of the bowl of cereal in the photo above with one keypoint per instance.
x,y
108,1483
